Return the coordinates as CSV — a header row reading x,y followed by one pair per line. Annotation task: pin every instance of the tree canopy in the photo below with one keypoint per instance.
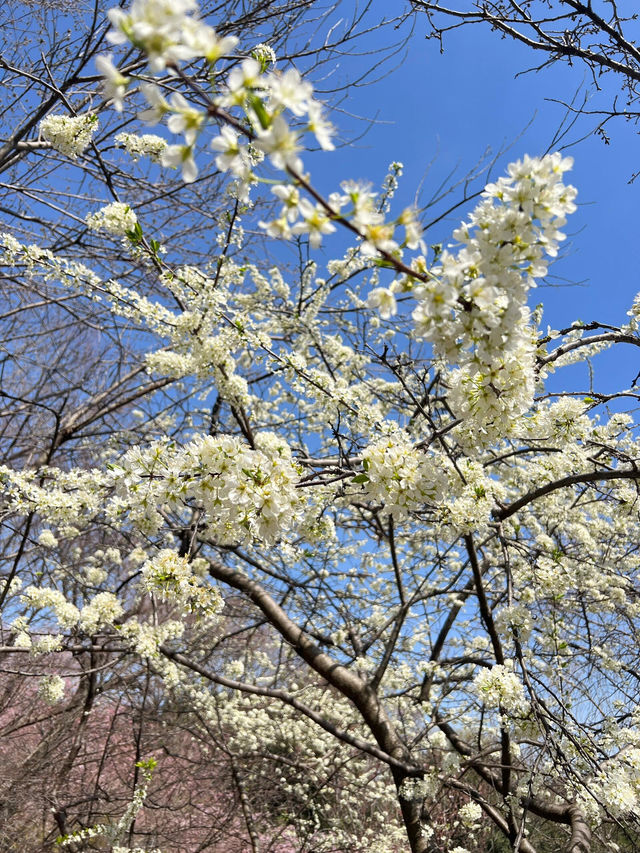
x,y
301,550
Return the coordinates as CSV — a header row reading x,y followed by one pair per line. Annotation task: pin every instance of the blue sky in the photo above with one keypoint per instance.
x,y
447,109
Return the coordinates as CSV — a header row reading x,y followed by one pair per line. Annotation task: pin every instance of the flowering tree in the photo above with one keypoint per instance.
x,y
330,512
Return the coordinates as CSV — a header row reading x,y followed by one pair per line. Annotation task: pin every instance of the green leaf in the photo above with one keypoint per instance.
x,y
135,235
361,478
259,109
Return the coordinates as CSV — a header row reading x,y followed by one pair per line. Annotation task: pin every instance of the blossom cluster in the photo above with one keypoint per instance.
x,y
51,689
363,209
245,493
65,612
261,97
142,145
417,789
406,479
47,539
173,578
84,834
472,305
70,135
475,297
401,476
269,728
499,687
103,609
470,814
66,498
116,218
167,33
146,638
170,34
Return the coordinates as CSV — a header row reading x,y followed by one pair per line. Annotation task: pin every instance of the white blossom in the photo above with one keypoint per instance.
x,y
500,687
233,156
51,689
172,577
470,814
47,538
114,84
185,119
383,299
314,221
144,145
264,54
157,27
70,135
281,144
116,218
182,156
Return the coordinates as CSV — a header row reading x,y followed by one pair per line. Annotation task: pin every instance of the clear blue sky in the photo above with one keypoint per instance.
x,y
453,106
